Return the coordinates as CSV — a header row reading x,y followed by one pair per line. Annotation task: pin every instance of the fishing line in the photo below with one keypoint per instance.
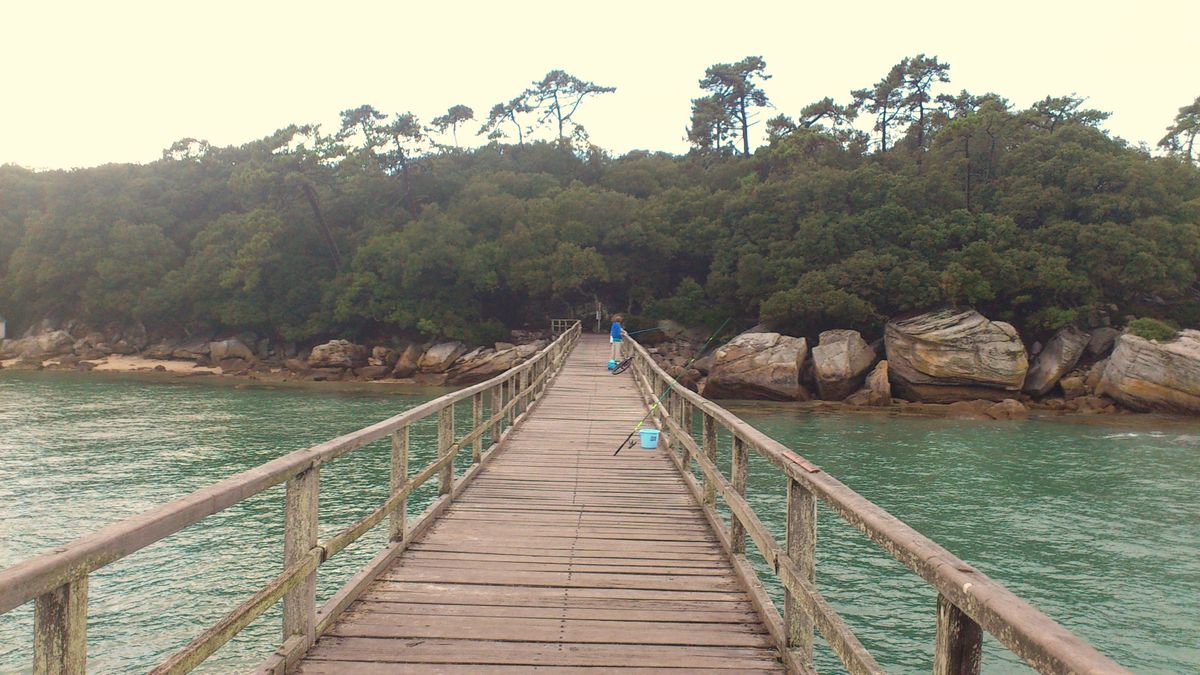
x,y
670,385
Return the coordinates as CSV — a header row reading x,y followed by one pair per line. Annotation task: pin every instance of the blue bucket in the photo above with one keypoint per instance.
x,y
612,364
649,438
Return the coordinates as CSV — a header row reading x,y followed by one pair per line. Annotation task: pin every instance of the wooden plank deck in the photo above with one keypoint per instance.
x,y
560,557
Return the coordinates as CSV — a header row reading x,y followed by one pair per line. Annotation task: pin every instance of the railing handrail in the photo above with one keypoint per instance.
x,y
1020,627
33,578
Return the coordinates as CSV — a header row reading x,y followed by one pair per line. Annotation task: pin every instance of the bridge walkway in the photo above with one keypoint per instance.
x,y
562,557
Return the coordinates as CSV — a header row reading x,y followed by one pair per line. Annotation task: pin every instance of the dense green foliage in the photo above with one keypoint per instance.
x,y
1152,329
1033,216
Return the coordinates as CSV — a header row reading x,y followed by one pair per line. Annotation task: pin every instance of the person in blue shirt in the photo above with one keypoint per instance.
x,y
614,336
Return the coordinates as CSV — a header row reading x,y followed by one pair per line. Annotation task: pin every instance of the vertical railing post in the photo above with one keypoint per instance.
x,y
497,406
738,470
802,549
60,629
959,641
444,442
476,423
299,538
709,441
685,421
399,480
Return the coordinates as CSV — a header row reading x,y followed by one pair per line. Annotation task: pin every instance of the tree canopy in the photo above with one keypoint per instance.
x,y
1034,216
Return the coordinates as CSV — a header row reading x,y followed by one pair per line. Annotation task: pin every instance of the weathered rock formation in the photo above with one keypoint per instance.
x,y
759,366
877,391
439,358
338,354
1148,375
1061,354
841,360
952,355
232,348
406,362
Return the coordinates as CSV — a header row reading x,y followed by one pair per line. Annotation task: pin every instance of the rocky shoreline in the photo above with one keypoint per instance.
x,y
951,362
74,346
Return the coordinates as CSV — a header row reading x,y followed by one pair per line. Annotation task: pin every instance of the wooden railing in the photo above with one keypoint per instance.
x,y
58,580
968,602
560,326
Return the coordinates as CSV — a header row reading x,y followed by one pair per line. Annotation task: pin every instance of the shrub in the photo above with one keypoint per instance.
x,y
1151,329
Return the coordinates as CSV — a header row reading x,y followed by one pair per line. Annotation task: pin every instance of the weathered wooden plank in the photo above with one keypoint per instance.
x,y
398,481
60,629
959,641
299,540
801,547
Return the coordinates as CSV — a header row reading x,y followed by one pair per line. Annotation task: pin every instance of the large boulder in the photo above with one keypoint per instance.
x,y
485,365
952,355
383,356
439,358
1149,375
406,361
46,345
338,354
877,391
159,350
193,349
1061,354
759,366
840,363
232,348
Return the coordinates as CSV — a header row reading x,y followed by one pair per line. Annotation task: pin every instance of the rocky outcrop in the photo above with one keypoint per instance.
x,y
484,365
338,354
1102,341
1148,375
194,349
439,358
951,355
877,391
383,356
232,348
372,372
841,360
759,366
1061,354
406,361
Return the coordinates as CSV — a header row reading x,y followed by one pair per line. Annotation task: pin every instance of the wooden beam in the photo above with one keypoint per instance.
x,y
299,540
477,425
959,641
710,453
740,467
60,629
445,439
399,478
801,548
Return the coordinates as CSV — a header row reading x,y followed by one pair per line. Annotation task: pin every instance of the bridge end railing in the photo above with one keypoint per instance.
x,y
57,581
968,602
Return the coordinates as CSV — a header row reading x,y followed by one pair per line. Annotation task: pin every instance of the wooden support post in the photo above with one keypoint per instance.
x,y
738,470
685,421
444,442
60,629
959,641
709,442
802,549
299,538
476,422
399,479
497,406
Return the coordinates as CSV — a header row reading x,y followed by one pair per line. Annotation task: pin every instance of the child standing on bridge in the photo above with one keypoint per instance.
x,y
614,336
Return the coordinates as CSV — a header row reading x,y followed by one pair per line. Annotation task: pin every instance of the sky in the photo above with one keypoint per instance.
x,y
97,82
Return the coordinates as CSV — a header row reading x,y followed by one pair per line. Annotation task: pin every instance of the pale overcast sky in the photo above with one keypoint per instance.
x,y
97,82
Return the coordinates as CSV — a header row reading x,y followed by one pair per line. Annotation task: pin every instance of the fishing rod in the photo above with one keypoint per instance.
x,y
670,385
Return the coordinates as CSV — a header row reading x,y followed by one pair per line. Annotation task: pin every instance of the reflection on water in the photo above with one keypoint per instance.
x,y
1095,524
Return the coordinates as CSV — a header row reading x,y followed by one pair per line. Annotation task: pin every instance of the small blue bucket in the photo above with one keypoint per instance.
x,y
649,438
612,364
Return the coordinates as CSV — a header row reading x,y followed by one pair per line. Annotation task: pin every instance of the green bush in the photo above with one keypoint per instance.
x,y
1151,329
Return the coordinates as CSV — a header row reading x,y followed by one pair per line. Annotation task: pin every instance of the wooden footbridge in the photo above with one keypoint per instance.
x,y
549,553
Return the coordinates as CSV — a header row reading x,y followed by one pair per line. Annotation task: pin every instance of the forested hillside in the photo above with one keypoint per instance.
x,y
384,226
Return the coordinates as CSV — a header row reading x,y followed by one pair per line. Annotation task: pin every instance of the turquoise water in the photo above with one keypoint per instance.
x,y
1098,525
1095,524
